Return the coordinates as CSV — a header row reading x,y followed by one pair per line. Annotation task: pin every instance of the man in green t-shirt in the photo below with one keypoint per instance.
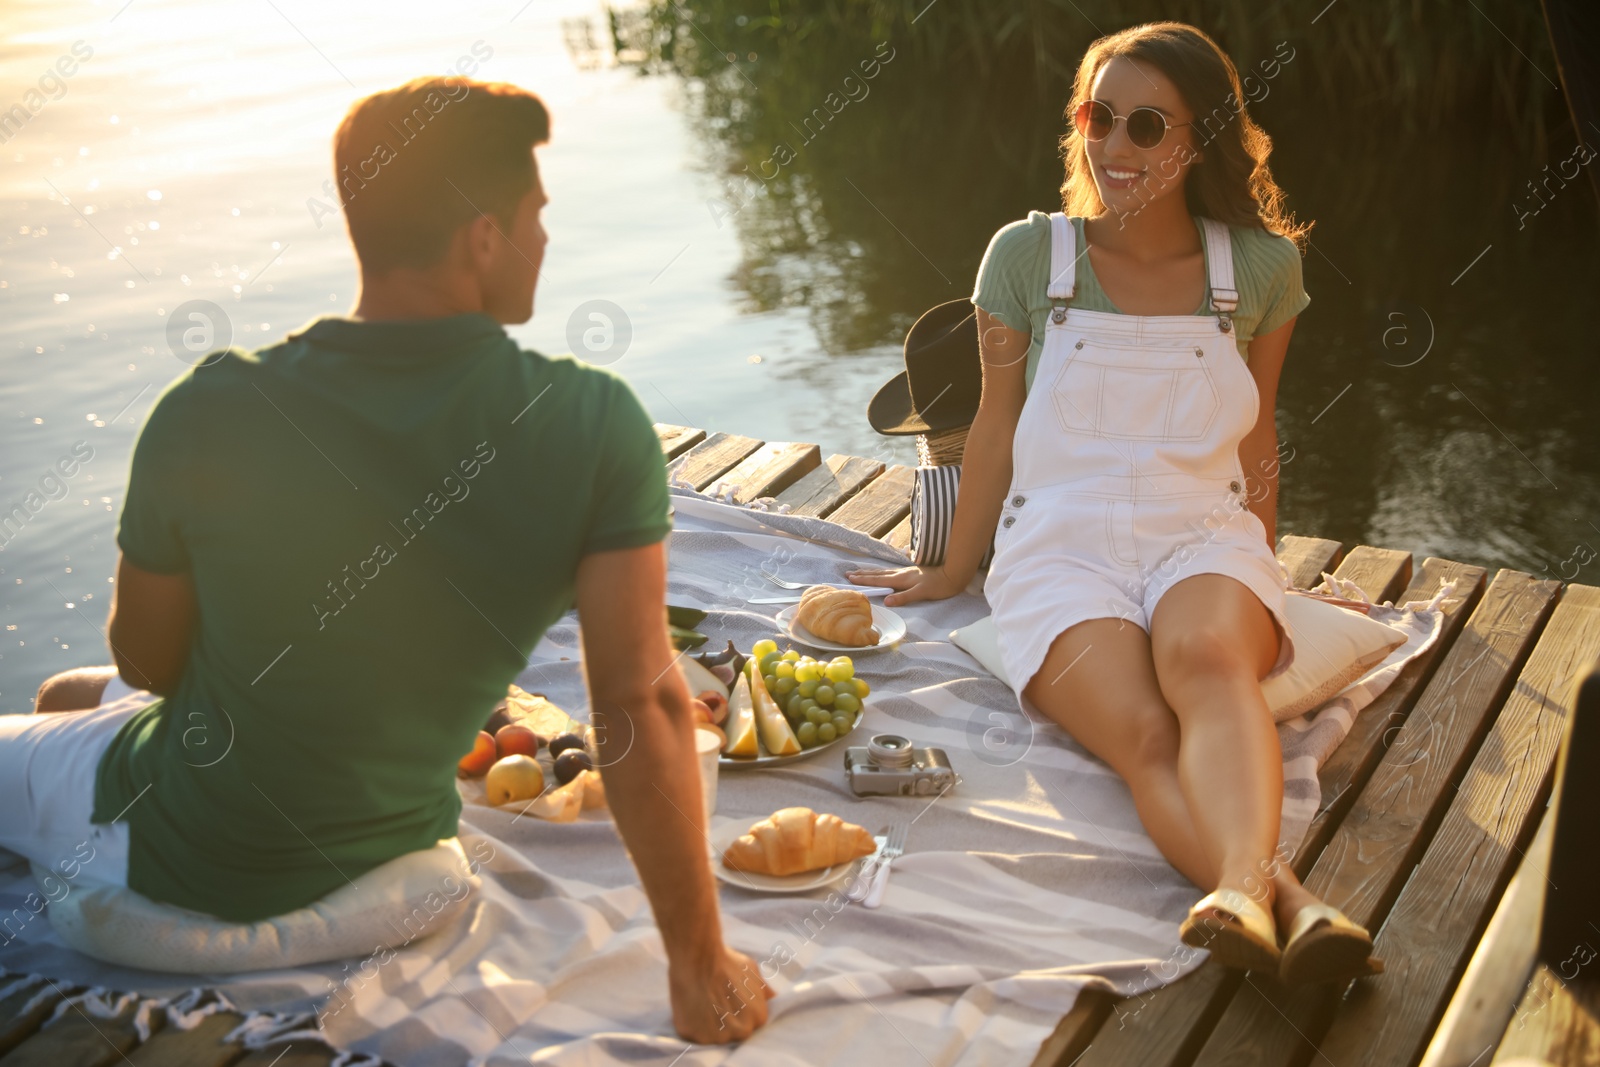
x,y
337,551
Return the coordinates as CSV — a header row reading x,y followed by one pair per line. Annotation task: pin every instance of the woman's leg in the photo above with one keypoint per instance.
x,y
1098,682
1212,641
75,690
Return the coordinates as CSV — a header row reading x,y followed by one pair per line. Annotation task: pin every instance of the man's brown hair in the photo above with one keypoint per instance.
x,y
415,163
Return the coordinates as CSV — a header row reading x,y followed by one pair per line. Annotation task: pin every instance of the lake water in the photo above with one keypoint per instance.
x,y
185,157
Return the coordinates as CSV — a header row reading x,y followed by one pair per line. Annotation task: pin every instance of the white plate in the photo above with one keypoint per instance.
x,y
890,626
803,882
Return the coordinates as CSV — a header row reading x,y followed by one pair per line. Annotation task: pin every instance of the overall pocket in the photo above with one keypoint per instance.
x,y
1136,392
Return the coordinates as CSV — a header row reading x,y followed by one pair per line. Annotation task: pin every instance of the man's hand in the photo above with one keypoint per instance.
x,y
726,1002
645,730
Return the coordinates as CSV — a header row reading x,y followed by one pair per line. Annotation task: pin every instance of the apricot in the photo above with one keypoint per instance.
x,y
478,761
516,739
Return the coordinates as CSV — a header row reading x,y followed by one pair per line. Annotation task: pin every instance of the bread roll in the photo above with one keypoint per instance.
x,y
793,840
843,616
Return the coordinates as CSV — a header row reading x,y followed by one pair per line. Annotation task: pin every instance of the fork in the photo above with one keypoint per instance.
x,y
784,584
893,849
869,590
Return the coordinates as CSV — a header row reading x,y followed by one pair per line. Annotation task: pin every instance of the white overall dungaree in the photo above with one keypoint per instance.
x,y
1126,476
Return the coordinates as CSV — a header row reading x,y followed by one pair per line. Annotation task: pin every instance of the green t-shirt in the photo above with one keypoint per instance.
x,y
1015,273
381,520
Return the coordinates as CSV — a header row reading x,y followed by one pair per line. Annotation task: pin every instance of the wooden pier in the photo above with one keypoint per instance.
x,y
1432,832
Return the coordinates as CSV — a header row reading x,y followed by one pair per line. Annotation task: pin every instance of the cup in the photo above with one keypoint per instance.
x,y
709,749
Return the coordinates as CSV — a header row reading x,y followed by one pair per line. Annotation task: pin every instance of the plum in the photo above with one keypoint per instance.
x,y
570,762
562,742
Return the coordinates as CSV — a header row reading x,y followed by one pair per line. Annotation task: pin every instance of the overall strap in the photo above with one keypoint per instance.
x,y
1219,258
1063,260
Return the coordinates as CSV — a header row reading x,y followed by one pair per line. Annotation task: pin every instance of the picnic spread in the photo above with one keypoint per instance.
x,y
1021,884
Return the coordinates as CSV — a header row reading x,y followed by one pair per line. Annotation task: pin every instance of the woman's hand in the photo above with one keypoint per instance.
x,y
913,583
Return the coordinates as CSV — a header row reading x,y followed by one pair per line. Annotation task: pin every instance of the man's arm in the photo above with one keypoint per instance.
x,y
645,732
151,624
1258,452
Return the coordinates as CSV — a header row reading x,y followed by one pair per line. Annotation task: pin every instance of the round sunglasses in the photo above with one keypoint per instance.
x,y
1146,126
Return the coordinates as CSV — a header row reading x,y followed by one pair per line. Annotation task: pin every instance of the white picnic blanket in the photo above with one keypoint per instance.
x,y
1030,880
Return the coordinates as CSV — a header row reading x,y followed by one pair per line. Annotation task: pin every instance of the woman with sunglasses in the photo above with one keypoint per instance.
x,y
1124,460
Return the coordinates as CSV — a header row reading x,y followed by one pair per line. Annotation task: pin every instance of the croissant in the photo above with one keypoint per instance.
x,y
797,839
843,616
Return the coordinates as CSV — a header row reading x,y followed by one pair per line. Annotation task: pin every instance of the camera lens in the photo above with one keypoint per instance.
x,y
889,750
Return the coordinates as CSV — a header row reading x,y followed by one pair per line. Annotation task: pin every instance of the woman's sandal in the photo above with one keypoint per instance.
x,y
1325,946
1237,930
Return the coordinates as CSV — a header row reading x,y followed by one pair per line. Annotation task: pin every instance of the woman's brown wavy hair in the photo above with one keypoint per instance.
x,y
1233,184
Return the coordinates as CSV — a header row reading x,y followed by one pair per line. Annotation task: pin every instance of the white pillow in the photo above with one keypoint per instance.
x,y
407,898
1334,646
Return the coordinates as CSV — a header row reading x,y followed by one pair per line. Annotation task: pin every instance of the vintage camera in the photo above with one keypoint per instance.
x,y
888,765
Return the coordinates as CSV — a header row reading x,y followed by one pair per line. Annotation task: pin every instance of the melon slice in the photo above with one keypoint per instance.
x,y
741,725
700,678
775,730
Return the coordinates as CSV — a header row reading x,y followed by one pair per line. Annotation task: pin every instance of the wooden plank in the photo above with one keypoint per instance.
x,y
880,505
1352,763
23,1012
199,1047
1364,565
900,536
1375,847
1445,905
676,440
829,485
1073,1032
1555,1023
771,469
79,1039
298,1054
713,457
1496,978
1169,1024
1305,558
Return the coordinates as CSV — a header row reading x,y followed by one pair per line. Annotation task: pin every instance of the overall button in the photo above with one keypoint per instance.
x,y
1233,486
1011,520
1018,500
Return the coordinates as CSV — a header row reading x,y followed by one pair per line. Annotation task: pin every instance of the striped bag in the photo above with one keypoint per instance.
x,y
933,509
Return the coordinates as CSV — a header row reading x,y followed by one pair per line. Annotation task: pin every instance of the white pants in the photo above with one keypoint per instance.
x,y
47,772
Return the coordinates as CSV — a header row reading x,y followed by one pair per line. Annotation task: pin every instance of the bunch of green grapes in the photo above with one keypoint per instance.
x,y
822,698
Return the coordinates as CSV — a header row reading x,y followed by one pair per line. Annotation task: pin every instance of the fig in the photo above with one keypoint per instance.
x,y
729,657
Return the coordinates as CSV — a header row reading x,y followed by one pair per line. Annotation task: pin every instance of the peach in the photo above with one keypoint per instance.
x,y
717,705
514,778
477,762
516,739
